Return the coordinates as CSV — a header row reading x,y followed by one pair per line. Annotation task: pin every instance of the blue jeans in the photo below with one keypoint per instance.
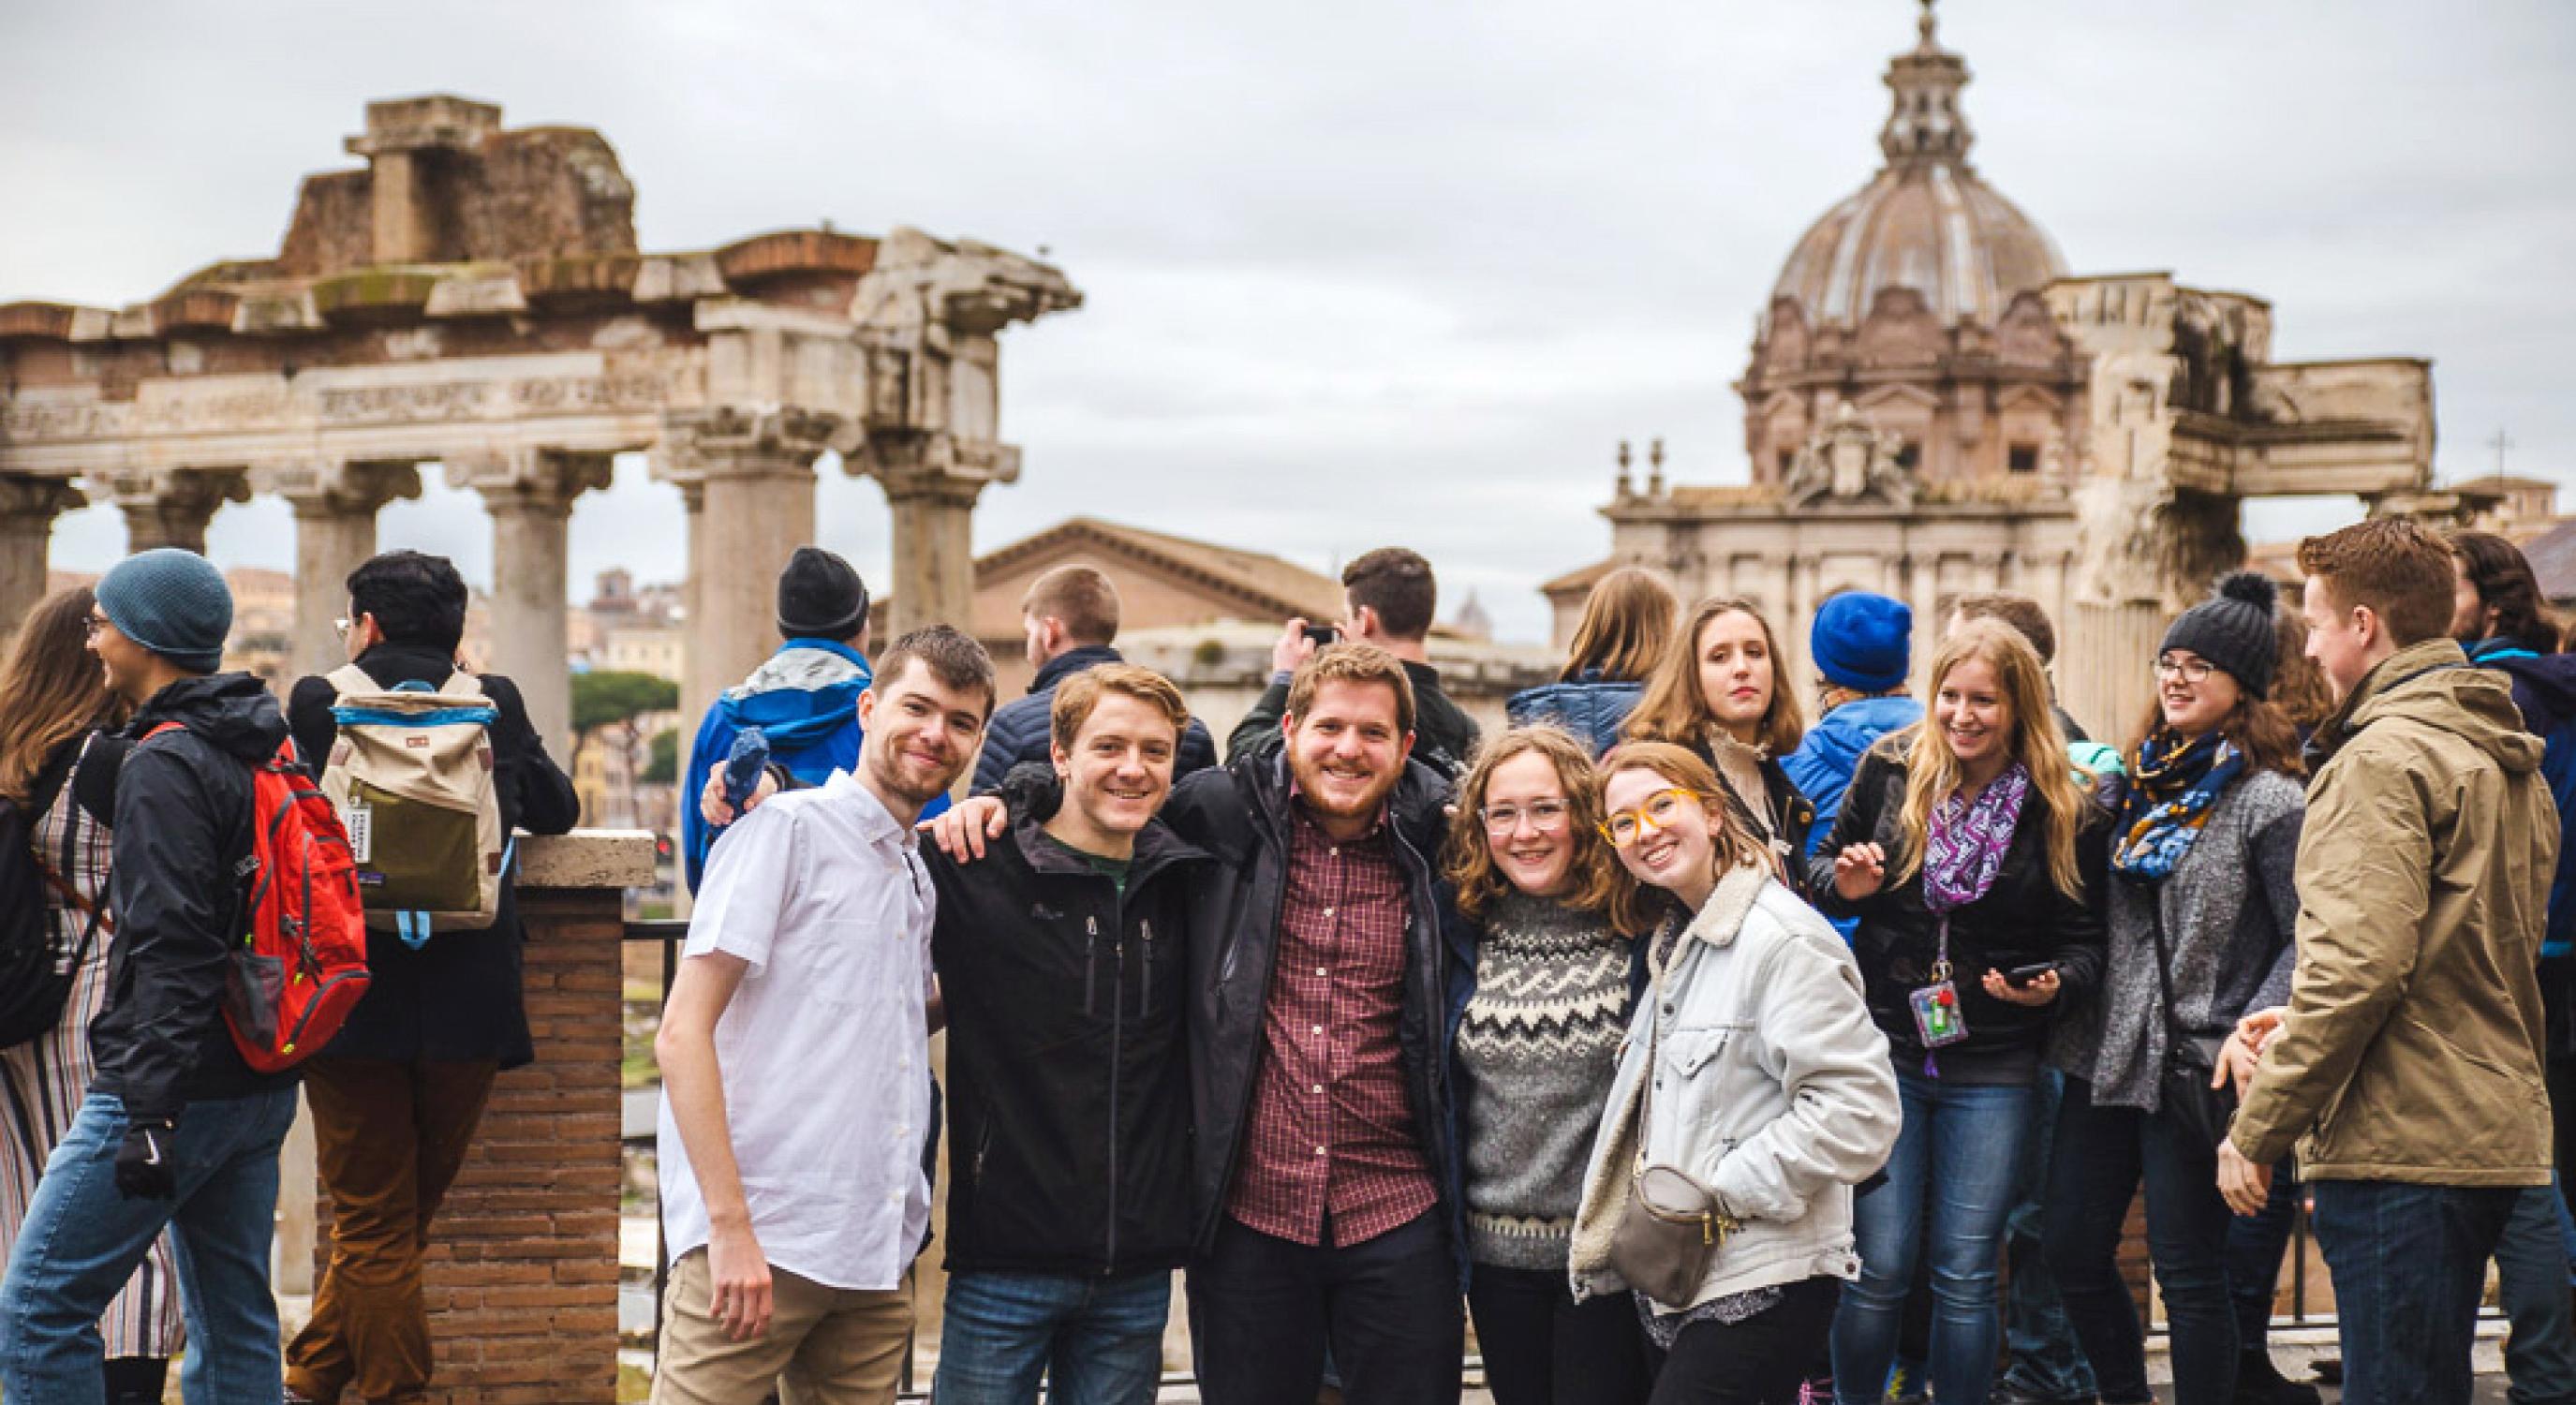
x,y
2102,1155
2408,1263
2531,1274
1096,1341
1949,1186
2046,1360
82,1240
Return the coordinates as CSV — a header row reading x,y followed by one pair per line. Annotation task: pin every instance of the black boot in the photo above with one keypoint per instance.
x,y
2259,1382
136,1380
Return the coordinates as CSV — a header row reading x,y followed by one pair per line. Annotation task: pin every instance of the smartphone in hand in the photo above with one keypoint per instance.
x,y
1323,634
2021,976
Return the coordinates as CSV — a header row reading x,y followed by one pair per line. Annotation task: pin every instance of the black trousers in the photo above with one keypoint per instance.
x,y
1541,1347
1759,1361
1263,1309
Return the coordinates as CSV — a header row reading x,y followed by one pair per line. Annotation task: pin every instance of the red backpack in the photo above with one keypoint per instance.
x,y
302,962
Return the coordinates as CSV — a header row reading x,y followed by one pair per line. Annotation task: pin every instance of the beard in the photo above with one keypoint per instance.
x,y
1324,794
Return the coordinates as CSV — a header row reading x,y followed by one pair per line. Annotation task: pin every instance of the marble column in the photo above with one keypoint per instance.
x,y
173,508
529,494
934,552
754,473
28,507
335,506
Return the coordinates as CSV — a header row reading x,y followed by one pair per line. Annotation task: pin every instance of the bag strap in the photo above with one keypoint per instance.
x,y
2174,1031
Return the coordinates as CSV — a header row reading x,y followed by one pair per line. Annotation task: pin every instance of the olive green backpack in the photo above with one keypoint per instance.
x,y
412,776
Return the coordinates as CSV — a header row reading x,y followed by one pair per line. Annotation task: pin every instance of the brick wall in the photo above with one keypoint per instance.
x,y
522,1275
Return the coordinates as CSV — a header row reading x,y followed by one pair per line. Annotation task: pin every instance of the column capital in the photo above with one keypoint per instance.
x,y
530,479
942,466
176,490
23,496
327,488
735,439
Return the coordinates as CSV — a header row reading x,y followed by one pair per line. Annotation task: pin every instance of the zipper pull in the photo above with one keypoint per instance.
x,y
1090,948
1145,980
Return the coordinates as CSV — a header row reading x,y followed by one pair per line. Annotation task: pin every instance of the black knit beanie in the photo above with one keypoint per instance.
x,y
2234,630
820,597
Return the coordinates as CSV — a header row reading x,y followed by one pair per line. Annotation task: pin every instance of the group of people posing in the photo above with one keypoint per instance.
x,y
1691,1051
1677,1044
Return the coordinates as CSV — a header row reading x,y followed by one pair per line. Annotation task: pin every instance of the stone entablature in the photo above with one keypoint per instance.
x,y
475,298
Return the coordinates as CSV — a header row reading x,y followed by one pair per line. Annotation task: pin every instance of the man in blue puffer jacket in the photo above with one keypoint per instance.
x,y
1070,618
1862,645
804,698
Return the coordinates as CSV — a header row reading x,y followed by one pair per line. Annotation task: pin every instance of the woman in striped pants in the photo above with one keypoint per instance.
x,y
58,763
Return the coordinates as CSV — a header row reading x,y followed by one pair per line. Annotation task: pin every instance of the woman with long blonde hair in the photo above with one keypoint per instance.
x,y
58,765
1542,979
1718,693
1971,845
1626,627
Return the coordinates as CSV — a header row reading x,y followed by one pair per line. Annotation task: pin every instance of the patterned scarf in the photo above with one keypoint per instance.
x,y
2168,801
1965,848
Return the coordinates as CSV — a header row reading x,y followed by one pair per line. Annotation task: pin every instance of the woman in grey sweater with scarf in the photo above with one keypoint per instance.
x,y
2201,912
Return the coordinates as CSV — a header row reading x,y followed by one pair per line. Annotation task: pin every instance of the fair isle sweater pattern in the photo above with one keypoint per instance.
x,y
1538,1046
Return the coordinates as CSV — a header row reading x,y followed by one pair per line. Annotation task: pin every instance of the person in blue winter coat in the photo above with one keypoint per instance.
x,y
1862,644
1070,617
804,698
1627,624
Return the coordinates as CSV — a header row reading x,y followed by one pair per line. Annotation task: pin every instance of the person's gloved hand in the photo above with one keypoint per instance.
x,y
144,1170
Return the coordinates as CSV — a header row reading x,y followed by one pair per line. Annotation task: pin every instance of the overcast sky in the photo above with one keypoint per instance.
x,y
1361,272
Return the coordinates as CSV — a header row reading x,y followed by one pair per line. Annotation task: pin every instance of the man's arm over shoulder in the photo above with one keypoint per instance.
x,y
543,800
172,890
2365,865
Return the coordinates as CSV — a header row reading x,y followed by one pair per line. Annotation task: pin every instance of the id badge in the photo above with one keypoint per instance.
x,y
1936,1015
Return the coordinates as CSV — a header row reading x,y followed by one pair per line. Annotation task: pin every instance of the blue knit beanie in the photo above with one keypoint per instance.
x,y
1862,641
171,602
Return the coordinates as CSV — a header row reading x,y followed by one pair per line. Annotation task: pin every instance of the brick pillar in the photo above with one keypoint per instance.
x,y
522,1274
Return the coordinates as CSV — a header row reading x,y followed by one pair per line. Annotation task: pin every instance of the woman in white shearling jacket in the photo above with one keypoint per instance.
x,y
1772,1087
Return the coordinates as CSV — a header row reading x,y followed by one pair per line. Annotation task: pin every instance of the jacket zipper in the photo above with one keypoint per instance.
x,y
1145,976
1090,964
1117,1040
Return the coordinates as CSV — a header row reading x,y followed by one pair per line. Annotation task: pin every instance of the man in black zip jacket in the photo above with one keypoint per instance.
x,y
397,1096
177,1132
1061,961
1316,976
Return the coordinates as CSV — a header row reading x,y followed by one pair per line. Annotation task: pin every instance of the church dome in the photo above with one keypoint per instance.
x,y
1925,221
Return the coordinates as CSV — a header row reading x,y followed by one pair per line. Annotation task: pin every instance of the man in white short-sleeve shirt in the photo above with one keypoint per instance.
x,y
793,1052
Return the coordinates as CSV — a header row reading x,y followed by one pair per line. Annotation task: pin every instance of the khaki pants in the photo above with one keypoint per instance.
x,y
824,1346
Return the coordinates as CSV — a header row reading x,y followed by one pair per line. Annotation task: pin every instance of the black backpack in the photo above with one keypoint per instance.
x,y
35,982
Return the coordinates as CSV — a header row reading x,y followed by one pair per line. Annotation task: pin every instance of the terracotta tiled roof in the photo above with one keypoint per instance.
x,y
1268,586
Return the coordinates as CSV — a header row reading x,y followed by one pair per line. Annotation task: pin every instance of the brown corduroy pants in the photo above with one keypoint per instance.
x,y
389,1137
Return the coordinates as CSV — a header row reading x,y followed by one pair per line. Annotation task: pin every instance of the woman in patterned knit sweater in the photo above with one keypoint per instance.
x,y
59,763
1539,997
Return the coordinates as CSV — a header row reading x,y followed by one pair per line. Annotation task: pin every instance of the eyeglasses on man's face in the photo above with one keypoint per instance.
x,y
1660,810
1545,816
2189,669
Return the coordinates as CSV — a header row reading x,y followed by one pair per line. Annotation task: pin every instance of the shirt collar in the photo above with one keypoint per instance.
x,y
875,820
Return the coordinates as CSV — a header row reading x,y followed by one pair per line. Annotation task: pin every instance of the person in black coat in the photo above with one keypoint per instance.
x,y
1062,956
1972,856
177,1131
397,1095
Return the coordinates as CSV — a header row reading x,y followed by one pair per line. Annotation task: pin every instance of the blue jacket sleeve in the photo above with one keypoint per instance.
x,y
714,740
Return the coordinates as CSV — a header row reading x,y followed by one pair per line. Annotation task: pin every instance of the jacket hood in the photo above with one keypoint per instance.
x,y
2433,685
2548,680
232,712
803,693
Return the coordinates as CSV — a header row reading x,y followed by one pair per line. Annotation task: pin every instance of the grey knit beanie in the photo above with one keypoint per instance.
x,y
171,602
2234,630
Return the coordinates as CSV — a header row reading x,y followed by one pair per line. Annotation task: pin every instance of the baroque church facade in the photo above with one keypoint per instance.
x,y
1934,407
